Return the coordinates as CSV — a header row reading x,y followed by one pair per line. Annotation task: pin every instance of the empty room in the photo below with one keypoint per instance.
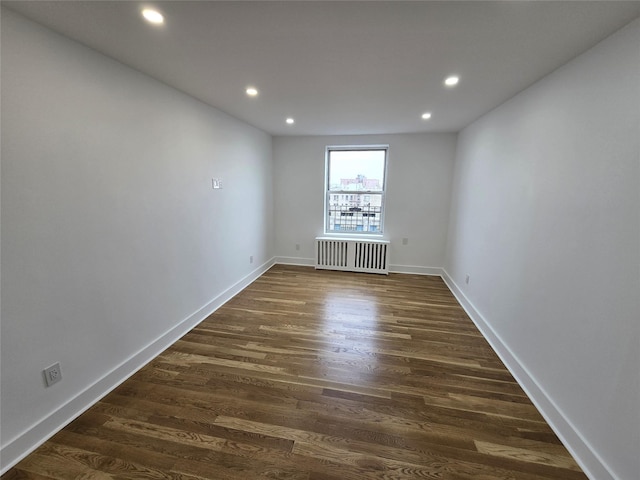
x,y
320,240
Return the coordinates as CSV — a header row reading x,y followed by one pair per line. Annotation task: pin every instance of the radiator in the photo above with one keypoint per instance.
x,y
371,256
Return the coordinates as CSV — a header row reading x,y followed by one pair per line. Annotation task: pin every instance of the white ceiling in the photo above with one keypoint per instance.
x,y
342,67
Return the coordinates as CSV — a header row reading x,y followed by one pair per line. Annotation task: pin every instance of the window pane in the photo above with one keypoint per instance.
x,y
356,215
357,170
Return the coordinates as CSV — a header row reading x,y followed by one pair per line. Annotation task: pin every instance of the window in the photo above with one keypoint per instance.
x,y
354,189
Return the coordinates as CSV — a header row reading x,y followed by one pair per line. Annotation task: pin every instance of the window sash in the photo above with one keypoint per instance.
x,y
346,218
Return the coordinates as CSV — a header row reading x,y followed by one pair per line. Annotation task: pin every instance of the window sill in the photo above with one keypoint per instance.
x,y
353,236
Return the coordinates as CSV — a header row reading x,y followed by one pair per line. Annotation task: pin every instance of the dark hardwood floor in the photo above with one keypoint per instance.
x,y
316,375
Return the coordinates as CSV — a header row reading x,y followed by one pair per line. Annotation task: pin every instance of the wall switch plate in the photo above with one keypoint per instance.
x,y
405,241
53,374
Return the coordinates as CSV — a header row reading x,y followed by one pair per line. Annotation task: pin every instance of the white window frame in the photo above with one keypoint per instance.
x,y
328,193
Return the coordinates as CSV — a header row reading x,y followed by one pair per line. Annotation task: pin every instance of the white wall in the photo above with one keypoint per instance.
x,y
545,220
111,232
419,174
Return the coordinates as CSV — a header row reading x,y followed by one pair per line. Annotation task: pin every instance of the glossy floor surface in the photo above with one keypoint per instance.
x,y
316,375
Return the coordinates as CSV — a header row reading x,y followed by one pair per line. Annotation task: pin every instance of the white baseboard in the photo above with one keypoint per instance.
x,y
25,443
590,462
411,269
415,270
300,261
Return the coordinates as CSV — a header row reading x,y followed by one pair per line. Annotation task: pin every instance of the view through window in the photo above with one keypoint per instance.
x,y
355,186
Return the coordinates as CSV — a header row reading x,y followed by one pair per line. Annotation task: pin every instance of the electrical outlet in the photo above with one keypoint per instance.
x,y
405,241
297,246
466,280
216,183
251,259
53,374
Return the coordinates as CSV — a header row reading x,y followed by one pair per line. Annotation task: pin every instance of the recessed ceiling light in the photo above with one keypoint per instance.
x,y
451,81
426,116
290,121
252,91
153,16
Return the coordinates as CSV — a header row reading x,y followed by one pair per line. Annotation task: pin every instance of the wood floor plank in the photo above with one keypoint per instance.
x,y
316,375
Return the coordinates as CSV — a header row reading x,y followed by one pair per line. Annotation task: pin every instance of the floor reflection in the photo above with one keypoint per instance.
x,y
351,318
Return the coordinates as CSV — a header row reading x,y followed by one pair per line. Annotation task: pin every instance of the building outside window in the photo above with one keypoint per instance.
x,y
355,189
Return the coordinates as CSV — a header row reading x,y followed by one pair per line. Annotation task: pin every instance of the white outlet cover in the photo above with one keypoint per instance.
x,y
53,374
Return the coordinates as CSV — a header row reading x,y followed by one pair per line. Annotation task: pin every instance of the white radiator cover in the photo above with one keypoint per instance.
x,y
353,255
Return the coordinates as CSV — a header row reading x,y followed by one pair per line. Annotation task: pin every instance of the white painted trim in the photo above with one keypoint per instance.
x,y
25,443
415,270
300,261
588,459
353,238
